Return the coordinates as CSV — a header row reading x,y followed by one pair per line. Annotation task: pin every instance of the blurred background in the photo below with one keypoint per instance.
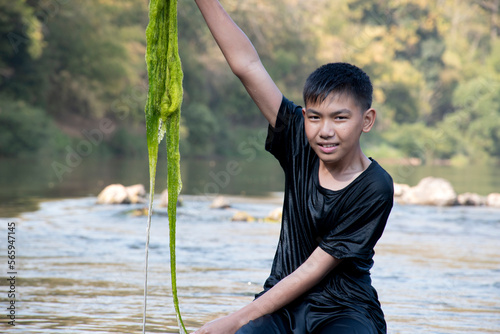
x,y
73,85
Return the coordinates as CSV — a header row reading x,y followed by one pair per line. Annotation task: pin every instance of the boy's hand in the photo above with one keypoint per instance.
x,y
225,325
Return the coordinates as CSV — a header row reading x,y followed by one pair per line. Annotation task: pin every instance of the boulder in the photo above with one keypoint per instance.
x,y
275,215
220,202
164,199
136,193
139,212
242,216
113,194
471,199
430,191
119,194
400,189
493,200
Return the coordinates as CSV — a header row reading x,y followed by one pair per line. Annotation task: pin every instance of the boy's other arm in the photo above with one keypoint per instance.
x,y
242,58
309,274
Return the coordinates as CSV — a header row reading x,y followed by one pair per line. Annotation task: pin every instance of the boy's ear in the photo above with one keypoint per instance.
x,y
369,117
303,111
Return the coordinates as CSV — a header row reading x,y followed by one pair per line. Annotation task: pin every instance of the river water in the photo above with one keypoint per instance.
x,y
80,266
24,182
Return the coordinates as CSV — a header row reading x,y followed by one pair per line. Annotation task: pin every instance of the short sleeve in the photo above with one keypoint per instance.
x,y
358,230
279,137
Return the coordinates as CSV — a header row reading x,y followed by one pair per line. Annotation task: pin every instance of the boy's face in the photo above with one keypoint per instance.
x,y
334,127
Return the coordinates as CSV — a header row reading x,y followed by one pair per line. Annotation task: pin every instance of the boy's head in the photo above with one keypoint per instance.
x,y
338,79
337,111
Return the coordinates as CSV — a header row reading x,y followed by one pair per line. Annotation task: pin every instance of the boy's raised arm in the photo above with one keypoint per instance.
x,y
242,58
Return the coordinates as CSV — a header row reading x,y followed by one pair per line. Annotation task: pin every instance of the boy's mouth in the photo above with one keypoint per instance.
x,y
328,147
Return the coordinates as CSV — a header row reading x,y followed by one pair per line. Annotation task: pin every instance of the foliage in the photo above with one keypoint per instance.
x,y
25,130
435,66
22,36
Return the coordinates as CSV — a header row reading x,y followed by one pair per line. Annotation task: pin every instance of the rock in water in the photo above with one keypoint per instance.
x,y
275,215
164,199
493,200
220,202
119,194
242,216
430,191
136,193
113,194
471,199
400,189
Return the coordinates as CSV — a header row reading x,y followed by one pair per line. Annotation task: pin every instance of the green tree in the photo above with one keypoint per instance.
x,y
25,130
434,66
21,43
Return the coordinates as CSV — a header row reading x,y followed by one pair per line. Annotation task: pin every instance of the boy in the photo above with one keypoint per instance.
x,y
336,203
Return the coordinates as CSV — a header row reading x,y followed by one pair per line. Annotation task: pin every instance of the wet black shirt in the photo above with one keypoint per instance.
x,y
346,224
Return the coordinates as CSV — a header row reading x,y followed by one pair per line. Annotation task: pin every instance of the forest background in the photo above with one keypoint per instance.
x,y
73,70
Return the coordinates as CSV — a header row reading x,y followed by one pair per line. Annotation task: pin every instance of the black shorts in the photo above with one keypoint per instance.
x,y
275,324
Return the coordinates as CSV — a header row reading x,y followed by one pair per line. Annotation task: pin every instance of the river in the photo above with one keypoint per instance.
x,y
24,183
80,266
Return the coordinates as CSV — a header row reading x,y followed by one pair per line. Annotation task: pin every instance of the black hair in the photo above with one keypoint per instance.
x,y
339,78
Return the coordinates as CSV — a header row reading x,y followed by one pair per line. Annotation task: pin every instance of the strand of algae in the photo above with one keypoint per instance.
x,y
162,118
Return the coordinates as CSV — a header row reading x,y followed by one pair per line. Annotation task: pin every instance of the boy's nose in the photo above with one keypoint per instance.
x,y
326,130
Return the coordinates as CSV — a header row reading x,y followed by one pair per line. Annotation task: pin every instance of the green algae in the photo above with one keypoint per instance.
x,y
162,119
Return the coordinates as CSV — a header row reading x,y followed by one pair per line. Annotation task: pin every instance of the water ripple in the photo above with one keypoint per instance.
x,y
81,267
